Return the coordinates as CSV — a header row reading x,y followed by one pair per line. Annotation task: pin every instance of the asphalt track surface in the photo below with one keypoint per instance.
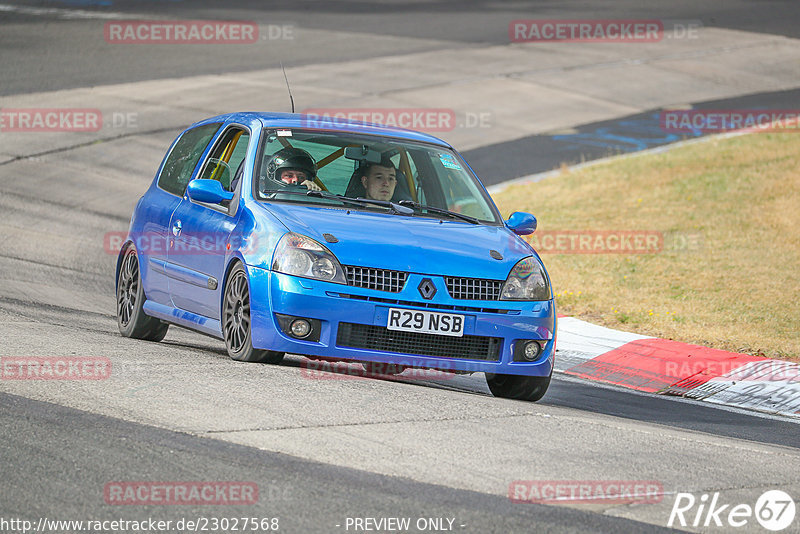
x,y
305,496
70,53
321,451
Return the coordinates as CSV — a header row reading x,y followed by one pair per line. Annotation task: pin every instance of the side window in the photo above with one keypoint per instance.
x,y
460,192
224,160
182,160
334,174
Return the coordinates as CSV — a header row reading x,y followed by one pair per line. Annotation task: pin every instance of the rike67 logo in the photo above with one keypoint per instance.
x,y
774,510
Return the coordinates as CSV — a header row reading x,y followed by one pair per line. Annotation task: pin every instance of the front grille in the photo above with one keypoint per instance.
x,y
379,279
371,337
473,288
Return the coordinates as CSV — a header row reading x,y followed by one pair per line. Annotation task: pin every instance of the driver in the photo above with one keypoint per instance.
x,y
293,166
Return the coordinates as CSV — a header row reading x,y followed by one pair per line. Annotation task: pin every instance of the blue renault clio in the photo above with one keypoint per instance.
x,y
337,240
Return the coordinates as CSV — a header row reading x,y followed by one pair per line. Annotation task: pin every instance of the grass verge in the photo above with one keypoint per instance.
x,y
727,272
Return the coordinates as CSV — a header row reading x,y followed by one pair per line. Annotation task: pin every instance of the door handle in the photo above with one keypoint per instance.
x,y
176,228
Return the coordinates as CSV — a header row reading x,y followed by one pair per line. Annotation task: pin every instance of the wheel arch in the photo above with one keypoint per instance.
x,y
120,256
234,260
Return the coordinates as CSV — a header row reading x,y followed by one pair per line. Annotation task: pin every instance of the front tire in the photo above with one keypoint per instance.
x,y
527,388
131,319
236,321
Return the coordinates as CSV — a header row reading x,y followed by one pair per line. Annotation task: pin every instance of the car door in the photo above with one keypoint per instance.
x,y
200,232
159,204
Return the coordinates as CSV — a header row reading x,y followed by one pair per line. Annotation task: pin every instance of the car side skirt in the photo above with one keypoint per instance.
x,y
184,318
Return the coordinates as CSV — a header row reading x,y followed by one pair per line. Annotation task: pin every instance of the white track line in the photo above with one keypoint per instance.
x,y
73,14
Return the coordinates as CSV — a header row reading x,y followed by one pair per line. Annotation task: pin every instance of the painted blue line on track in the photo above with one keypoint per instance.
x,y
540,153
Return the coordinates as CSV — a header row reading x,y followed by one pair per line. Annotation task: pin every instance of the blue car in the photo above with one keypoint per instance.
x,y
340,241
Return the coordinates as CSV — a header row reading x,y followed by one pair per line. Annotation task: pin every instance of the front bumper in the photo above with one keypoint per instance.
x,y
352,325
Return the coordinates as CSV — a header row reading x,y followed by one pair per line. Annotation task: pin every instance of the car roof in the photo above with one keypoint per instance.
x,y
321,124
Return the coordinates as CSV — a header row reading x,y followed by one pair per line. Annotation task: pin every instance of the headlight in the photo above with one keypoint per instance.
x,y
299,255
527,281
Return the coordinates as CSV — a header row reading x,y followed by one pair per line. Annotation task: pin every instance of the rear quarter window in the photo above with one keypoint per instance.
x,y
183,159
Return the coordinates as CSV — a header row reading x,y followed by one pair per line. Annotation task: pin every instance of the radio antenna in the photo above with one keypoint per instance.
x,y
291,99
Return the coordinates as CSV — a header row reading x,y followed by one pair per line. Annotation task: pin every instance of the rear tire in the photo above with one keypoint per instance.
x,y
131,319
527,388
236,321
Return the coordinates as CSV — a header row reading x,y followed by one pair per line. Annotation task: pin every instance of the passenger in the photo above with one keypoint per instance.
x,y
293,166
379,180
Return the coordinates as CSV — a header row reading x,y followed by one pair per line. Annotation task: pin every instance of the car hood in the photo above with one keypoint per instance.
x,y
403,243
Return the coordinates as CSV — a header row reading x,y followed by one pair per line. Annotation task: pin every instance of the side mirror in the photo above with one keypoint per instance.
x,y
521,223
208,191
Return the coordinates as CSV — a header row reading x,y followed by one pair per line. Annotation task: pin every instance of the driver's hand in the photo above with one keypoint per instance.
x,y
312,186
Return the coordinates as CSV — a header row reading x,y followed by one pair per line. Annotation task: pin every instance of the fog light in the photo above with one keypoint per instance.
x,y
300,328
532,350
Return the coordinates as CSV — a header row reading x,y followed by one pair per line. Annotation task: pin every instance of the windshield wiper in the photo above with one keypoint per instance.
x,y
313,193
440,211
396,208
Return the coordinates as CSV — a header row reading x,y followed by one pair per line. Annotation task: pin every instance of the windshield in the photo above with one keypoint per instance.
x,y
431,180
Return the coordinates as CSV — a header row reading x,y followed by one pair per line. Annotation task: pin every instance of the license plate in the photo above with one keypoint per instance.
x,y
445,324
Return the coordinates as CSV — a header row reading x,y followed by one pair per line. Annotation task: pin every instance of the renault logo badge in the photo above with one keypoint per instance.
x,y
427,289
